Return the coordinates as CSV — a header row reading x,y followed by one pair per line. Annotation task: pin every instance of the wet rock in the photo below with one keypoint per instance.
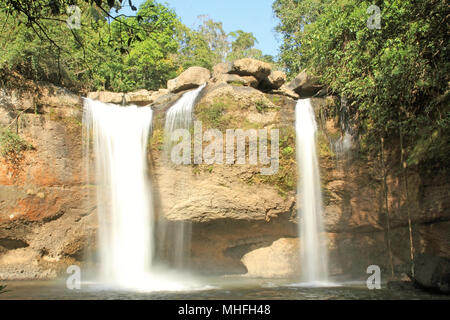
x,y
140,97
432,272
401,285
107,96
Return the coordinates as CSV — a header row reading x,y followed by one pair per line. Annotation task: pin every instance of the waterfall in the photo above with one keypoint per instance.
x,y
314,255
124,197
180,114
126,237
176,235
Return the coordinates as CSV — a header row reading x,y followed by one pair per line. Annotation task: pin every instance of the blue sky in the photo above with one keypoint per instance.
x,y
254,16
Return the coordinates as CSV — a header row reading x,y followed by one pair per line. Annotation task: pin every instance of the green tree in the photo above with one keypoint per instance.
x,y
65,60
395,78
243,47
118,54
194,49
146,45
217,39
204,46
209,44
294,15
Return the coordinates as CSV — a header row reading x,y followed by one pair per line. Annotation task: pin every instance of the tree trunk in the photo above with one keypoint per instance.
x,y
386,203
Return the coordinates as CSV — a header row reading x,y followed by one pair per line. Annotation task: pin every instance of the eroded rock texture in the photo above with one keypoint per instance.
x,y
241,221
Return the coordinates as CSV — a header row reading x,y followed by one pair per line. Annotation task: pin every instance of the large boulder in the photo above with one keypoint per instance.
x,y
51,95
220,69
247,81
285,91
140,97
432,272
274,81
305,85
192,78
279,260
37,98
251,67
144,97
107,96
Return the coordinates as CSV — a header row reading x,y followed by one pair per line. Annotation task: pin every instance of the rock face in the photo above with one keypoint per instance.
x,y
140,98
251,67
285,91
220,69
193,77
248,81
45,221
107,97
274,81
250,73
432,273
279,260
241,221
304,85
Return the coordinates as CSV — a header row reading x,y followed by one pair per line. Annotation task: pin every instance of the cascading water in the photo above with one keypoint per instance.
x,y
180,114
124,196
343,145
123,190
176,235
314,255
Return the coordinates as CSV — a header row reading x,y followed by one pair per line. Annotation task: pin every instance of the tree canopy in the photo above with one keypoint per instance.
x,y
107,51
395,77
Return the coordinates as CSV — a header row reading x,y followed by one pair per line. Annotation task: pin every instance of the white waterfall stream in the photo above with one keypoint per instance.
x,y
314,255
124,196
176,235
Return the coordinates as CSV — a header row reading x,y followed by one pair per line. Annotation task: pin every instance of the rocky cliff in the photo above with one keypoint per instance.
x,y
242,222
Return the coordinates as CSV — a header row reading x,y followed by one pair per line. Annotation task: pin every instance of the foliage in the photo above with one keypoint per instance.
x,y
243,47
395,79
12,145
261,106
294,15
125,54
212,115
2,289
121,53
285,180
147,46
204,46
209,44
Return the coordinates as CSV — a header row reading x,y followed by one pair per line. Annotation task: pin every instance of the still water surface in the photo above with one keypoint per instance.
x,y
223,288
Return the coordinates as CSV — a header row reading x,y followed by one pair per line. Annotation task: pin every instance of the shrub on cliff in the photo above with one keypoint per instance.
x,y
12,145
2,289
